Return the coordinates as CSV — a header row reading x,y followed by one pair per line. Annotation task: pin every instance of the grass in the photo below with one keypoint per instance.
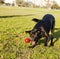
x,y
14,21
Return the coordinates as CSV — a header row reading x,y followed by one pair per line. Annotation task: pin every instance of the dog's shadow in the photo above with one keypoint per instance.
x,y
56,37
57,34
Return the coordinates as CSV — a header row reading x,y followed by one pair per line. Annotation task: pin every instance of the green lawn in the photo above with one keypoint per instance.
x,y
14,21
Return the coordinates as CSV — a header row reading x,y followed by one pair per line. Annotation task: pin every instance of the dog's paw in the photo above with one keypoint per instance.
x,y
52,44
45,44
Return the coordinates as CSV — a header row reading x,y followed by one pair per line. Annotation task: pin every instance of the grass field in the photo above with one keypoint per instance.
x,y
14,21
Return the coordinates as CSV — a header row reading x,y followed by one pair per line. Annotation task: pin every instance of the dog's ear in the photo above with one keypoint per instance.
x,y
36,20
28,31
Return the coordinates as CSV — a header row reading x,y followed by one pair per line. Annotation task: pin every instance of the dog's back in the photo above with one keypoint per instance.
x,y
48,22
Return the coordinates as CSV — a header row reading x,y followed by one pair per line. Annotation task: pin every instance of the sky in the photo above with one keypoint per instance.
x,y
10,1
37,2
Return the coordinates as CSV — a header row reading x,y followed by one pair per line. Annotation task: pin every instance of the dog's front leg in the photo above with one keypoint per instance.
x,y
46,41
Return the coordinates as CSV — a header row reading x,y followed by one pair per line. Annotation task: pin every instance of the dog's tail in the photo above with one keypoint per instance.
x,y
36,20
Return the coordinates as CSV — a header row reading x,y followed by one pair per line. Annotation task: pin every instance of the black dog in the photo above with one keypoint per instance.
x,y
42,29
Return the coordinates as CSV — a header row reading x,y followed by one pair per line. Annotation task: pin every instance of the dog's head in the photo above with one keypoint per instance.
x,y
34,34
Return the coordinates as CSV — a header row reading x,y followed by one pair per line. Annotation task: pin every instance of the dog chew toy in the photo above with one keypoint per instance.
x,y
27,40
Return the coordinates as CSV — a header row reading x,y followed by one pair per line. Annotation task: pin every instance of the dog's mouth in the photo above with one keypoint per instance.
x,y
32,41
31,38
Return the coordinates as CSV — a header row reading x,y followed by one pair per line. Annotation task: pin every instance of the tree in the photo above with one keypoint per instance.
x,y
1,1
49,3
17,2
55,6
20,2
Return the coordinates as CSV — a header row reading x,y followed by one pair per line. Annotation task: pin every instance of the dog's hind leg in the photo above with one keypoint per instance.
x,y
52,33
52,36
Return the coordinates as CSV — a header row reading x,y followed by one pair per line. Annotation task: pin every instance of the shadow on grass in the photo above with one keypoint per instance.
x,y
16,16
56,35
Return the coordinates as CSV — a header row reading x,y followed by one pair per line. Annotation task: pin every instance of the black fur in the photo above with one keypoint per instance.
x,y
42,29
